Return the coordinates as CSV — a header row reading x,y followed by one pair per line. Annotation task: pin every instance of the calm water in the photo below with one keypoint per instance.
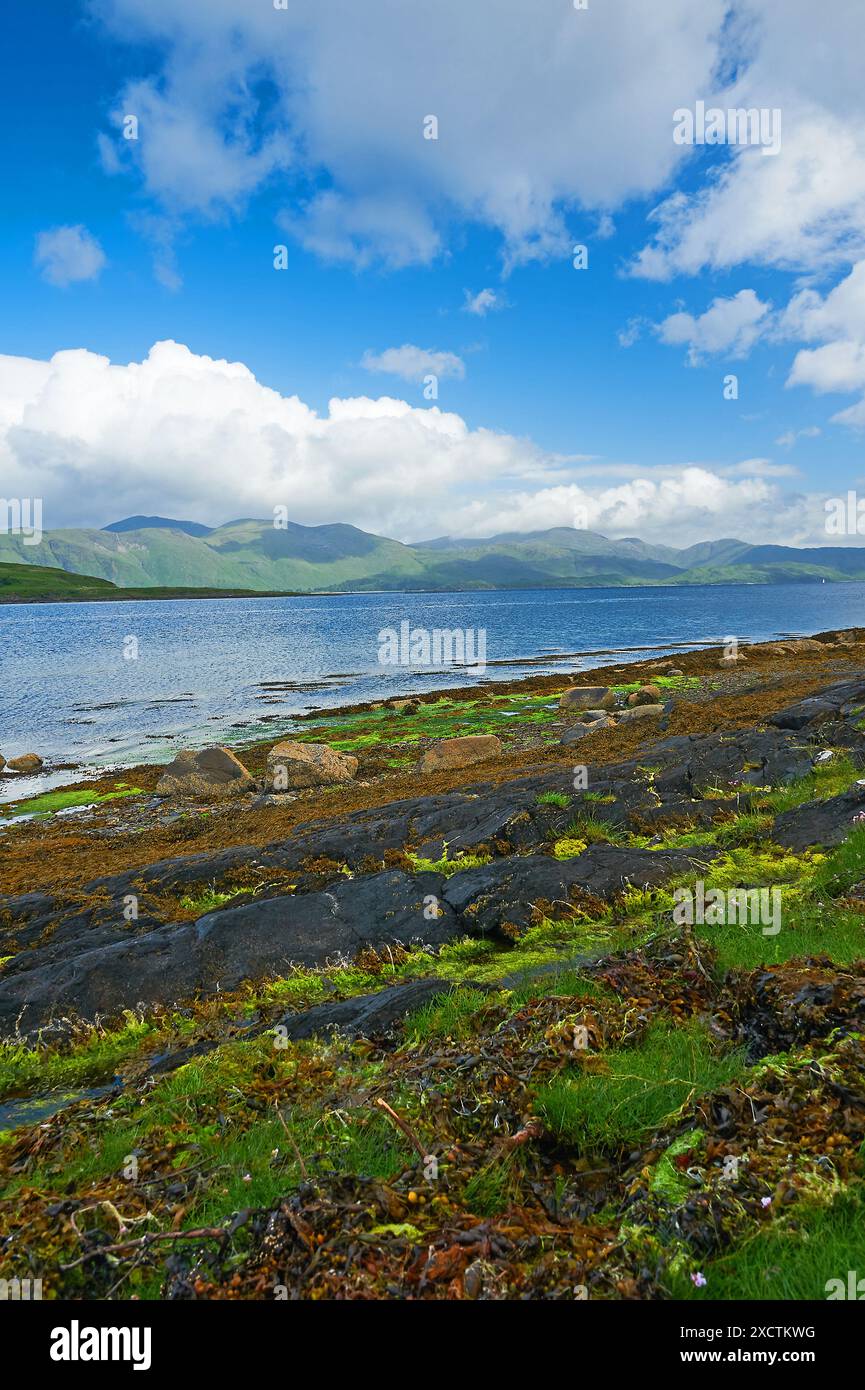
x,y
210,669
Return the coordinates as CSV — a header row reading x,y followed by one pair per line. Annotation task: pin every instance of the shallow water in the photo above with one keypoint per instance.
x,y
30,1110
235,669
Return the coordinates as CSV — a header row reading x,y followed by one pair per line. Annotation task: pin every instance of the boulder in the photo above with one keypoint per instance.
x,y
27,762
640,712
588,697
727,663
2,762
842,699
208,773
646,695
592,716
224,948
581,730
824,823
291,766
460,752
804,644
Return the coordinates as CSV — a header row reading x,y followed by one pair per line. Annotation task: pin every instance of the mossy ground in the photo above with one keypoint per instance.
x,y
573,1113
49,803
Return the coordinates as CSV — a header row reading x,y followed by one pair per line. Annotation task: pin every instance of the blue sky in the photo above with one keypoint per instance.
x,y
582,388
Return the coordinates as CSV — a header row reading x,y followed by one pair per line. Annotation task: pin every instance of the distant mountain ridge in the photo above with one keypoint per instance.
x,y
146,552
153,523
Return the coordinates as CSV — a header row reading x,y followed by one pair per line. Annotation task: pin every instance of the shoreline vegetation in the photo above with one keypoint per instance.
x,y
554,1081
43,584
46,584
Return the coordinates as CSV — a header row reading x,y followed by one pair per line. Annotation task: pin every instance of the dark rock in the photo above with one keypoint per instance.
x,y
606,870
223,949
844,698
824,823
506,893
367,1015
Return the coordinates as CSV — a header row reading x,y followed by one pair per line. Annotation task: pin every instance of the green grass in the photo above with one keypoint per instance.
x,y
24,1069
791,1258
448,1016
554,799
24,583
812,921
640,1090
564,984
828,779
843,868
594,830
209,900
49,803
448,866
806,929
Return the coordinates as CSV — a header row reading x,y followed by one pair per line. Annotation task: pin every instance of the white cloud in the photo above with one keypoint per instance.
x,y
392,227
840,314
483,302
728,325
572,115
836,321
760,468
791,437
805,207
185,435
630,334
413,363
66,255
541,111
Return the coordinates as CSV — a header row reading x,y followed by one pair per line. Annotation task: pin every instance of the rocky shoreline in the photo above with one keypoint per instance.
x,y
404,904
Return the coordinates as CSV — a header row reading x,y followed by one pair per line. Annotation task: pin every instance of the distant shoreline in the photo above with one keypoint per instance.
x,y
178,594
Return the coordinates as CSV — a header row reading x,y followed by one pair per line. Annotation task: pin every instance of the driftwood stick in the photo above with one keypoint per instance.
x,y
205,1233
298,1155
406,1129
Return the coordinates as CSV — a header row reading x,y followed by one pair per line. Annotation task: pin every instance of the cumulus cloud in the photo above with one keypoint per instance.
x,y
328,101
413,363
187,435
66,255
728,325
836,320
805,207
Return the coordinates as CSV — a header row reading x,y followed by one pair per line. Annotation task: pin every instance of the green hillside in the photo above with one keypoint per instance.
x,y
254,556
24,583
39,584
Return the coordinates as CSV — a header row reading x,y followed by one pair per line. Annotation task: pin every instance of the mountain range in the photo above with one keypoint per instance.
x,y
149,552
